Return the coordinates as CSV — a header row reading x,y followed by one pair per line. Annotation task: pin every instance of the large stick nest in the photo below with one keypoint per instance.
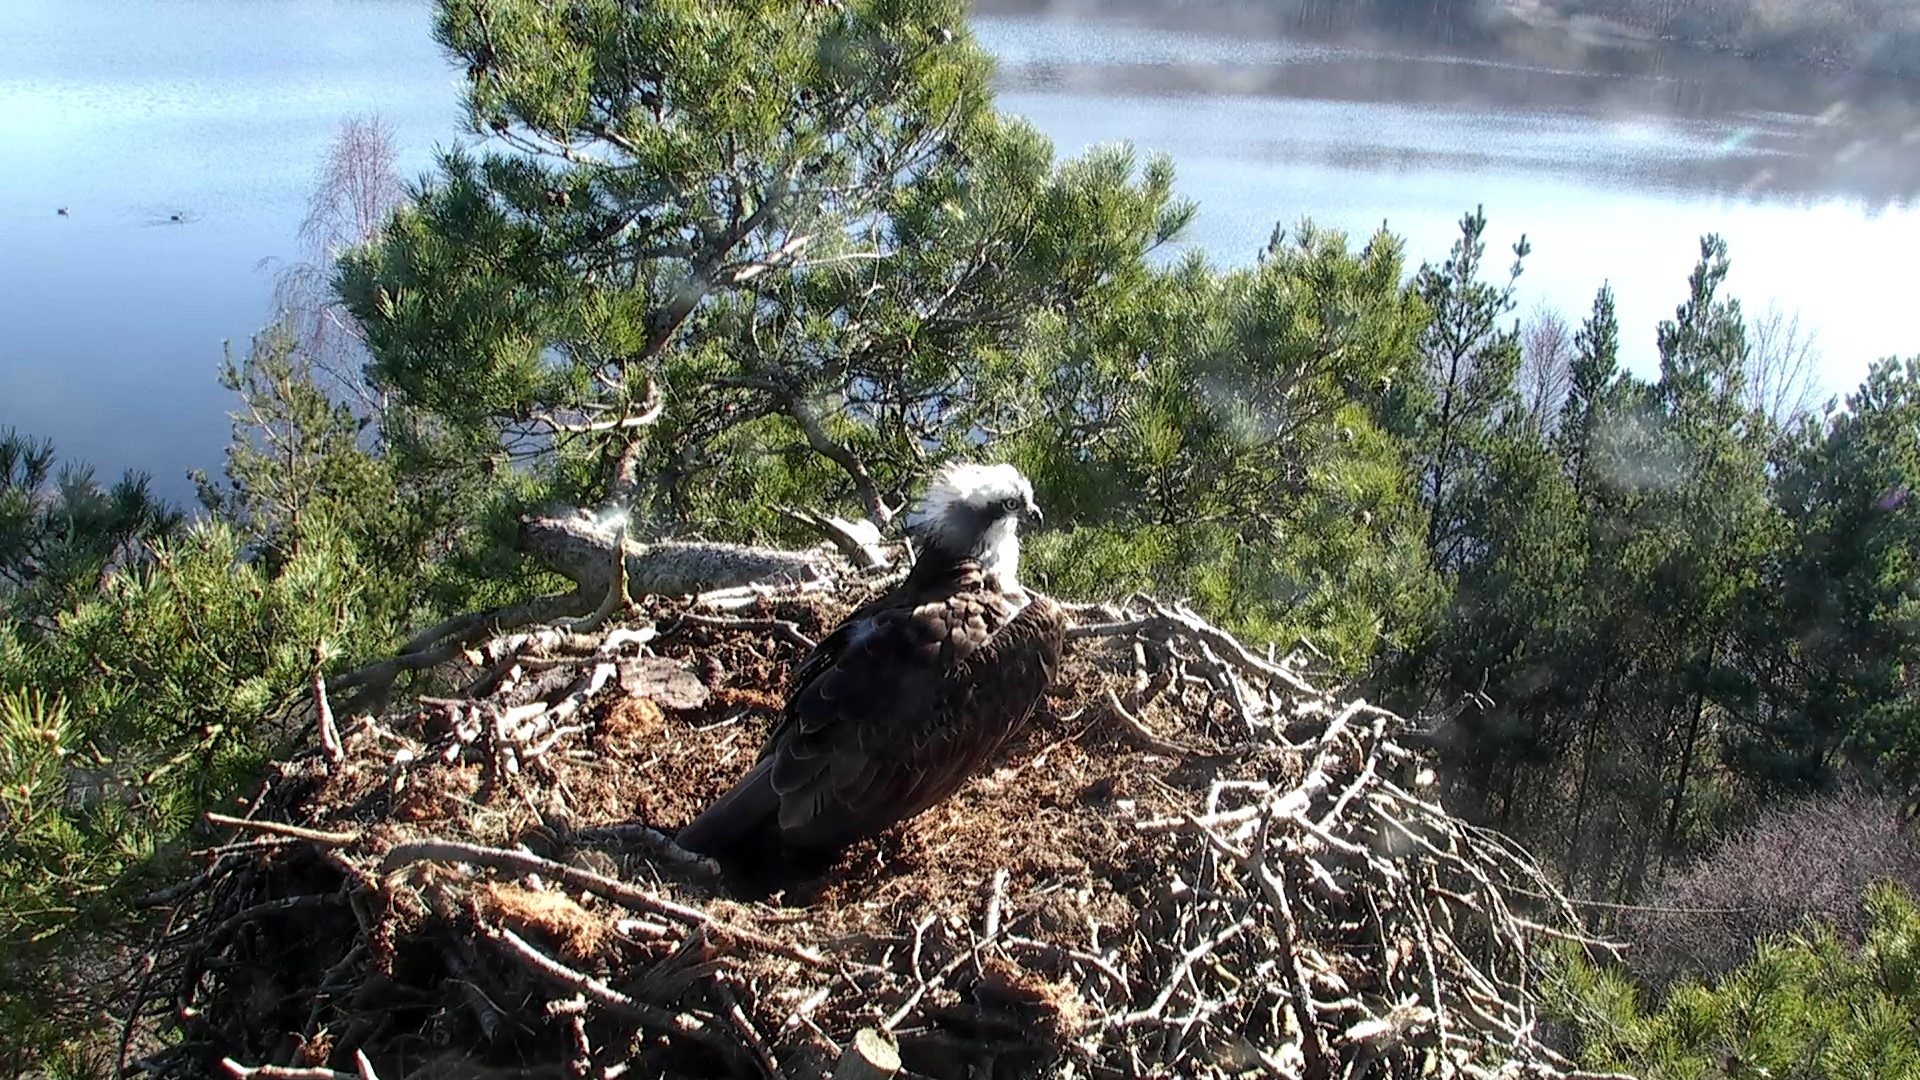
x,y
1192,862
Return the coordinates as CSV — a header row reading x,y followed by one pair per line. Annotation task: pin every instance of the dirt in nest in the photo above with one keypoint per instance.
x,y
1047,828
1044,812
484,885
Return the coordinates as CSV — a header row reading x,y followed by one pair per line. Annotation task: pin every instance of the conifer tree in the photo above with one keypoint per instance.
x,y
791,236
1451,409
1836,627
1214,437
61,532
1595,367
1808,1005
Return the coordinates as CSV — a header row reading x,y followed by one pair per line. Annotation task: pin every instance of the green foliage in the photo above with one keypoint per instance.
x,y
1449,410
165,692
1843,603
1594,380
1805,1006
177,663
830,268
848,269
646,181
57,862
60,532
48,846
165,679
304,469
154,681
297,455
1514,621
1213,439
850,384
1673,618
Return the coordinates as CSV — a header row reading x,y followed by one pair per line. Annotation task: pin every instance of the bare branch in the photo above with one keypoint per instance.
x,y
1141,733
805,415
329,731
1546,364
279,1072
317,836
375,681
579,547
1783,366
779,628
859,542
652,404
357,191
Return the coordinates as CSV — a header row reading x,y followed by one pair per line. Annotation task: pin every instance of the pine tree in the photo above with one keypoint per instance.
x,y
1836,625
808,240
1807,1006
61,532
1213,438
1450,412
1596,366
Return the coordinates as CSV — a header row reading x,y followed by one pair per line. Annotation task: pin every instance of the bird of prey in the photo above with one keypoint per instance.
x,y
908,698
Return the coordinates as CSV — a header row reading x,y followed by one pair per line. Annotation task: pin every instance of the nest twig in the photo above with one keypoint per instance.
x,y
1196,863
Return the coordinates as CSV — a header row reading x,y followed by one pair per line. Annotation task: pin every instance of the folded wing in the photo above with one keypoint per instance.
x,y
891,714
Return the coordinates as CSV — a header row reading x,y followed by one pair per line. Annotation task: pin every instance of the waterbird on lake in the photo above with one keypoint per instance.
x,y
903,703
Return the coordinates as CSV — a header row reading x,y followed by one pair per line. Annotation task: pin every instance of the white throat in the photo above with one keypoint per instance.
x,y
999,555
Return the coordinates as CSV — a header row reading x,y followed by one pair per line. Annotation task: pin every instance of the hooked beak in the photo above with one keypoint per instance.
x,y
1031,515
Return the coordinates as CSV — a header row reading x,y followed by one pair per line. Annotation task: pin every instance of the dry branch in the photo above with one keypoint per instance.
x,y
1229,876
280,1072
317,836
329,731
580,548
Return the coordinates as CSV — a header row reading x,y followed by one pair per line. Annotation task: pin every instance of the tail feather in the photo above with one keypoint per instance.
x,y
737,818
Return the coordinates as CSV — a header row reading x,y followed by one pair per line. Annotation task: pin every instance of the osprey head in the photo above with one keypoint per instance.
x,y
974,511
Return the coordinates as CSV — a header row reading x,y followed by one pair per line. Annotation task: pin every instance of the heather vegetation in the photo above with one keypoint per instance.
x,y
1809,1004
1658,621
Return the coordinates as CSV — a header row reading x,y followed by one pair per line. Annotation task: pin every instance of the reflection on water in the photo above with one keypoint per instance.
x,y
1019,42
1613,171
1681,122
135,113
132,113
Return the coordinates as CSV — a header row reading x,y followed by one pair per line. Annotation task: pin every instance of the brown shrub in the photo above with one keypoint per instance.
x,y
1806,861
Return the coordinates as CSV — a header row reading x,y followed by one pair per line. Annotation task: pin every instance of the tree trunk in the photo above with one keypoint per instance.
x,y
580,549
1575,851
1442,450
1648,819
1509,792
1671,835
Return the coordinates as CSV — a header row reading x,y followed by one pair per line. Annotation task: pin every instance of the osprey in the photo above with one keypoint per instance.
x,y
906,699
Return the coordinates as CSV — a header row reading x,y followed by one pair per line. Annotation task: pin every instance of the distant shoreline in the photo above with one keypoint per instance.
x,y
1570,31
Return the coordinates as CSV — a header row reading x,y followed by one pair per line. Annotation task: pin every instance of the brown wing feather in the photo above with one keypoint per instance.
x,y
902,710
748,812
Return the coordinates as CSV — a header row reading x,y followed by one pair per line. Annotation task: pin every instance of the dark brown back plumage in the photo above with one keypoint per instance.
x,y
897,709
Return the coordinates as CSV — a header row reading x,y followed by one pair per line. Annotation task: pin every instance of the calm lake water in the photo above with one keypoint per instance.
x,y
128,112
